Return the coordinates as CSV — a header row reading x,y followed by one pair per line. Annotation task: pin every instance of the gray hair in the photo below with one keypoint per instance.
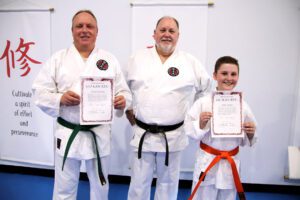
x,y
168,17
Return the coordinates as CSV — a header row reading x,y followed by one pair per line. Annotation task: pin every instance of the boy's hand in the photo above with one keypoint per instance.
x,y
249,128
204,118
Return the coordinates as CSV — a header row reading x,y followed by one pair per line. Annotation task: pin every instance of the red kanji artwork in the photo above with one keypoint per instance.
x,y
22,60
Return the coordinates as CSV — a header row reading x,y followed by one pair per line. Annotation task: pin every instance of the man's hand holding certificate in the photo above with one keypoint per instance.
x,y
96,100
227,114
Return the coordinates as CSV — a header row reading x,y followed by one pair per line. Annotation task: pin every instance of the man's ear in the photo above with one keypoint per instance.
x,y
153,33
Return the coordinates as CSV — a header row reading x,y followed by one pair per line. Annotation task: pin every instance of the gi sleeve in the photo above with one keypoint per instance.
x,y
46,95
192,119
249,117
127,72
122,89
204,81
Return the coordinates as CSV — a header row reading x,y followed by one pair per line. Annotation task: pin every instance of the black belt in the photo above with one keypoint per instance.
x,y
76,128
153,128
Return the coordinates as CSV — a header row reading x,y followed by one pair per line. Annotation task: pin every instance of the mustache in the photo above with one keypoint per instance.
x,y
166,39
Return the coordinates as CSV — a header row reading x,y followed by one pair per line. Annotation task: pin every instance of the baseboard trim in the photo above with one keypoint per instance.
x,y
287,189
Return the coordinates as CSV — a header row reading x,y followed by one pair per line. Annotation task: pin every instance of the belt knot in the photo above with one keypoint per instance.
x,y
224,154
154,128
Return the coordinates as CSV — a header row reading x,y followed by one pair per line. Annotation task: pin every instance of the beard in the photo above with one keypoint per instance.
x,y
166,49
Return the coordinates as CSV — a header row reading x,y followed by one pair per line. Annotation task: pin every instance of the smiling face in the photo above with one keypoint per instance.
x,y
166,36
226,76
84,31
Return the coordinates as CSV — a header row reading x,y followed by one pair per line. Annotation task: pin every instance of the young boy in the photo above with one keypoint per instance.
x,y
219,180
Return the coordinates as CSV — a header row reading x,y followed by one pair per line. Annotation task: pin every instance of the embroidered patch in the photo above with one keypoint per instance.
x,y
102,64
173,71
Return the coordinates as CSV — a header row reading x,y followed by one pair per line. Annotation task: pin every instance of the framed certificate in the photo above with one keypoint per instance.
x,y
227,114
96,105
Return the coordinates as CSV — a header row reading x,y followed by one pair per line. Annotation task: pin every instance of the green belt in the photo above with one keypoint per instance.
x,y
76,128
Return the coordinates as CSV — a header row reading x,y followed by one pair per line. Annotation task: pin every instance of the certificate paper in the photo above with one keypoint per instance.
x,y
96,105
227,114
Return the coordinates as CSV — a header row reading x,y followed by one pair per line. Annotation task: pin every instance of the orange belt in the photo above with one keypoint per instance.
x,y
221,155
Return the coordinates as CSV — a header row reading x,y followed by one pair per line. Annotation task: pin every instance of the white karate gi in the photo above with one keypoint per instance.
x,y
162,99
62,73
219,182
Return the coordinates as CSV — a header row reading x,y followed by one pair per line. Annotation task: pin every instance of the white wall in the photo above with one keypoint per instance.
x,y
263,34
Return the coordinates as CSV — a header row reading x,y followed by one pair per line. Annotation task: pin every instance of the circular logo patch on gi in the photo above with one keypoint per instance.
x,y
102,64
173,71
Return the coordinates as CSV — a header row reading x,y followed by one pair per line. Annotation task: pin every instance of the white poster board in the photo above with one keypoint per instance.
x,y
192,18
26,133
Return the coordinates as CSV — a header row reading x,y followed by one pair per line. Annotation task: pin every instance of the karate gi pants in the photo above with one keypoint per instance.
x,y
66,181
210,192
142,175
